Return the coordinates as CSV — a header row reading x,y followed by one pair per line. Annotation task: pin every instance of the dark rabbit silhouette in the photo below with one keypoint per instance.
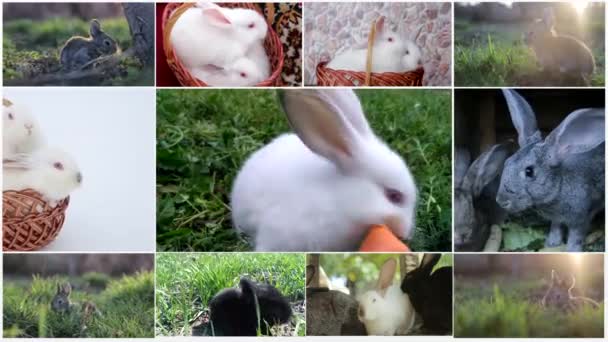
x,y
79,51
233,311
431,294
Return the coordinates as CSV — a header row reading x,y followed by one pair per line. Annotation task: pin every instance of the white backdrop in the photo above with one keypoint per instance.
x,y
110,132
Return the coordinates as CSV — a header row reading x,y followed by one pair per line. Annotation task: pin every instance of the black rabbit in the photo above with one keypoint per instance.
x,y
431,294
233,311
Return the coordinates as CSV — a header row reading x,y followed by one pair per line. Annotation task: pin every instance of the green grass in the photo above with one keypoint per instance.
x,y
31,48
185,282
495,55
507,309
204,136
126,306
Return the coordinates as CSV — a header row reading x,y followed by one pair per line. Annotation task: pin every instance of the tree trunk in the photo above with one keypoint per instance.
x,y
140,17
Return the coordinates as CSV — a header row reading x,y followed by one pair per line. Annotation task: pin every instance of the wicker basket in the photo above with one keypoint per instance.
x,y
272,44
331,77
29,223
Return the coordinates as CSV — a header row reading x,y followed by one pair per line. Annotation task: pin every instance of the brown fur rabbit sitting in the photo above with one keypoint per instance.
x,y
559,295
79,51
560,53
61,303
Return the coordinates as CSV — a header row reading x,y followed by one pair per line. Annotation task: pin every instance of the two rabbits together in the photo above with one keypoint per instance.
x,y
560,295
222,46
392,52
560,177
250,308
28,163
80,52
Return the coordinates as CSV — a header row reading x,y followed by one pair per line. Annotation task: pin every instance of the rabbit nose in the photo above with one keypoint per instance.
x,y
79,177
29,128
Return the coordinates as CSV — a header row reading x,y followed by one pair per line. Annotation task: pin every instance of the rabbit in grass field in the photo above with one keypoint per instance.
x,y
559,295
321,188
561,177
79,51
391,53
475,188
62,303
251,307
557,52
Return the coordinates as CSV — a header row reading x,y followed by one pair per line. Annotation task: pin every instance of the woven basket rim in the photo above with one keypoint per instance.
x,y
168,11
323,65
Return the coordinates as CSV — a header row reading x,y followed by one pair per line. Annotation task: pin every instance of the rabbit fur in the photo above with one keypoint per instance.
x,y
562,176
79,51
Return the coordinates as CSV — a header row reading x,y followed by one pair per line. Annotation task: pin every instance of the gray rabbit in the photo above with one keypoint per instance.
x,y
61,302
79,51
475,189
560,177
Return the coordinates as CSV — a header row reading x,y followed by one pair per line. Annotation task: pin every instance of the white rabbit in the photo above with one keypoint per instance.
x,y
49,171
243,72
387,310
209,34
391,53
20,130
257,54
321,189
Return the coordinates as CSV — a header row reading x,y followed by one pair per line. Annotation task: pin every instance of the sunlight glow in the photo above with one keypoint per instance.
x,y
577,259
579,6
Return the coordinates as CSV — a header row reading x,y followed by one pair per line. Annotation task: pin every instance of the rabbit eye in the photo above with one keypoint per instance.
x,y
529,172
394,196
10,116
58,166
243,75
107,42
390,39
407,52
252,25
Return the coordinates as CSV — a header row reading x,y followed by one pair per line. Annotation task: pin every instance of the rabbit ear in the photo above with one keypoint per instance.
x,y
20,161
429,261
581,131
319,119
387,274
461,165
247,288
548,17
523,118
65,289
555,279
215,16
381,25
485,168
95,29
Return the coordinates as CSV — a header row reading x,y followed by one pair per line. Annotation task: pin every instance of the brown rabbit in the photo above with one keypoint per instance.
x,y
560,295
61,302
558,52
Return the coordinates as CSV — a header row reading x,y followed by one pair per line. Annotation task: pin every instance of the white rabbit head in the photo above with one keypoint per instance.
x,y
20,129
244,72
49,170
381,189
249,25
374,302
412,58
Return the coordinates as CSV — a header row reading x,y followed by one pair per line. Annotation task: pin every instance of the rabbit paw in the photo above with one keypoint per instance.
x,y
555,237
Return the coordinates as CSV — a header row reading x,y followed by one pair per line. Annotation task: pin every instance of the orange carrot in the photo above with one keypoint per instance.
x,y
381,239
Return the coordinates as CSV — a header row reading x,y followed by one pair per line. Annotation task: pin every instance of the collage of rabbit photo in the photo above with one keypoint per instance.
x,y
317,169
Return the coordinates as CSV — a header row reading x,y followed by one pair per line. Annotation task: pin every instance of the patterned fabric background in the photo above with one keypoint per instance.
x,y
333,27
286,20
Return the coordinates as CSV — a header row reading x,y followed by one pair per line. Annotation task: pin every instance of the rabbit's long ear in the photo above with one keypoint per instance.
x,y
215,17
461,164
523,118
555,279
380,25
429,260
66,289
95,29
581,131
19,161
247,288
485,168
387,274
317,117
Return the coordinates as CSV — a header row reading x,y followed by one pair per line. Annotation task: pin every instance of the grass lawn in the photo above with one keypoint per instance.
x,y
126,307
204,136
185,282
495,55
32,48
507,307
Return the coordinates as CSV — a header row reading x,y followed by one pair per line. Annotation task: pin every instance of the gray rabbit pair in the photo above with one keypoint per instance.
x,y
78,52
560,177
